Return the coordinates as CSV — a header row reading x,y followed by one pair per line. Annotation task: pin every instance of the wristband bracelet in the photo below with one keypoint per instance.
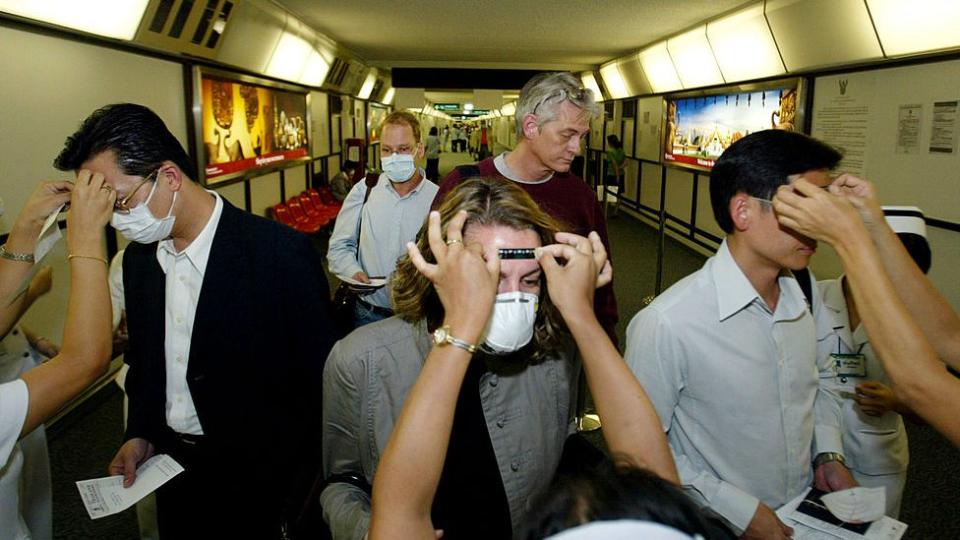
x,y
101,259
11,256
827,457
441,336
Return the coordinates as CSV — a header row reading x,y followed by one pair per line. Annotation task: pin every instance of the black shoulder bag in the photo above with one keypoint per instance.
x,y
344,299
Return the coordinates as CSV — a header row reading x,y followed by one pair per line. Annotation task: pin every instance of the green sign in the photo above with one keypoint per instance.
x,y
446,106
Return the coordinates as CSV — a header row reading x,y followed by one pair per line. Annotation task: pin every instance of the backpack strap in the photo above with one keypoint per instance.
x,y
803,279
370,180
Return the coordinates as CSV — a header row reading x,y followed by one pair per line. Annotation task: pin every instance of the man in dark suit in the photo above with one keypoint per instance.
x,y
225,368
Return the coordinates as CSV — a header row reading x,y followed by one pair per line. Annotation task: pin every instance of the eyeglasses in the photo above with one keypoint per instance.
x,y
577,96
770,201
120,206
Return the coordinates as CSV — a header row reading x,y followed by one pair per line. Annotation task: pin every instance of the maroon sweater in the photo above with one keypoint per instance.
x,y
569,200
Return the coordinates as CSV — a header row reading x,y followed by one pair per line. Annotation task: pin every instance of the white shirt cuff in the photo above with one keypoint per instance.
x,y
735,506
827,439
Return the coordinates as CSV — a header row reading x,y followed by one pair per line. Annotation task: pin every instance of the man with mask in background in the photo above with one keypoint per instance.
x,y
222,375
382,214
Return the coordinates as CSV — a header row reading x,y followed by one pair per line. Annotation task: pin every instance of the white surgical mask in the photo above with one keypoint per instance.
x,y
398,167
141,226
511,323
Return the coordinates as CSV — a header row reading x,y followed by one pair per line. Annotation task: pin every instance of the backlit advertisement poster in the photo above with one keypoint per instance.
x,y
699,128
248,126
375,117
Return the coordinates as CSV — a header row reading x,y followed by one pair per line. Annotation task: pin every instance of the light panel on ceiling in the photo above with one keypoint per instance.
x,y
315,70
694,59
813,34
509,109
743,46
101,17
368,83
388,97
658,67
632,73
916,26
289,57
590,83
613,81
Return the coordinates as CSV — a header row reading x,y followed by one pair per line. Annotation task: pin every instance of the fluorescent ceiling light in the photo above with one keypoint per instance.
x,y
315,70
917,26
367,87
388,97
658,67
289,57
743,46
509,109
590,83
694,59
613,81
101,17
468,106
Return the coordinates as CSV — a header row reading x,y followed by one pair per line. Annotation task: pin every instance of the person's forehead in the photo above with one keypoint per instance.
x,y
398,134
105,163
818,177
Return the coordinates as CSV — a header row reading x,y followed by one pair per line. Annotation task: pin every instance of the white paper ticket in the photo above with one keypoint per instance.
x,y
107,496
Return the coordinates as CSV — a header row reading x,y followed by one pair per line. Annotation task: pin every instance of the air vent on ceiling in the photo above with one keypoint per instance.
x,y
186,26
338,71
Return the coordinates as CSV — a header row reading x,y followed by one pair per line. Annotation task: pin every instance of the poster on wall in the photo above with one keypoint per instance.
x,y
375,115
249,125
699,128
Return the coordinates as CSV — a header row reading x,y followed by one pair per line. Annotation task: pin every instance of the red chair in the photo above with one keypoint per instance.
x,y
305,222
320,200
321,215
282,214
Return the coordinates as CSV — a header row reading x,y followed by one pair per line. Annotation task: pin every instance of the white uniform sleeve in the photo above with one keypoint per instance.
x,y
14,399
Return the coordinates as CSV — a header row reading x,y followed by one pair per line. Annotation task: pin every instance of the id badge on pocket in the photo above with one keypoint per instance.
x,y
849,365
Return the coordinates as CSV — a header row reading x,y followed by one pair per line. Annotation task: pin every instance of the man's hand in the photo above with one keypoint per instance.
x,y
361,277
862,195
129,457
811,211
833,476
765,525
876,398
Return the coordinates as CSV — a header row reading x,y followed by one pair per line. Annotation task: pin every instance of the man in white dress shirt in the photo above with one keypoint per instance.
x,y
728,354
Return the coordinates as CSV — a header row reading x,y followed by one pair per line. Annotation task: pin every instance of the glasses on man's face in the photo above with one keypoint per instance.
x,y
770,201
120,206
563,94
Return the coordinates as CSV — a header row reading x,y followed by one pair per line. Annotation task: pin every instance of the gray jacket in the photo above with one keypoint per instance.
x,y
529,415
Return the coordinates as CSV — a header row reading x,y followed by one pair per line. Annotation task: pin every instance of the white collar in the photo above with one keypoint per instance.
x,y
735,292
198,252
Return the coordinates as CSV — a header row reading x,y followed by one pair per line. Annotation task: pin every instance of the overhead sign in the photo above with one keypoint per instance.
x,y
446,106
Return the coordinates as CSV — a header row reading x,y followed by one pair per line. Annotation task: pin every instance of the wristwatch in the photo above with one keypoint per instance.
x,y
827,457
441,337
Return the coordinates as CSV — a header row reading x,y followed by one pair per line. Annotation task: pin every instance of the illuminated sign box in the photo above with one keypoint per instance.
x,y
248,126
700,126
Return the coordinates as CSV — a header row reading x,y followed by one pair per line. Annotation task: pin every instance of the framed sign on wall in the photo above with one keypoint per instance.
x,y
247,125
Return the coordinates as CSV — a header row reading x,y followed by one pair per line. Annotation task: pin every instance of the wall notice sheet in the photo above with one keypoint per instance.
x,y
107,496
943,133
908,128
841,118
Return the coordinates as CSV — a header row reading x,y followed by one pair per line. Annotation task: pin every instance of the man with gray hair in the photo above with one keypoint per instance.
x,y
552,118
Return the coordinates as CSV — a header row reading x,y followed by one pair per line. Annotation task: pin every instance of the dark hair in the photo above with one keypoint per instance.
x,y
348,165
611,491
760,163
433,130
137,136
614,141
918,248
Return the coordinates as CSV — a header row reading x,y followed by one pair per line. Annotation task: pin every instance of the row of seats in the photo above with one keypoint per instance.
x,y
309,211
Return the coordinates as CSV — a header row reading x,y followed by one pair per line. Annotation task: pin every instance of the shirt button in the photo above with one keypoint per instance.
x,y
494,380
26,354
515,466
180,359
179,320
183,279
501,423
